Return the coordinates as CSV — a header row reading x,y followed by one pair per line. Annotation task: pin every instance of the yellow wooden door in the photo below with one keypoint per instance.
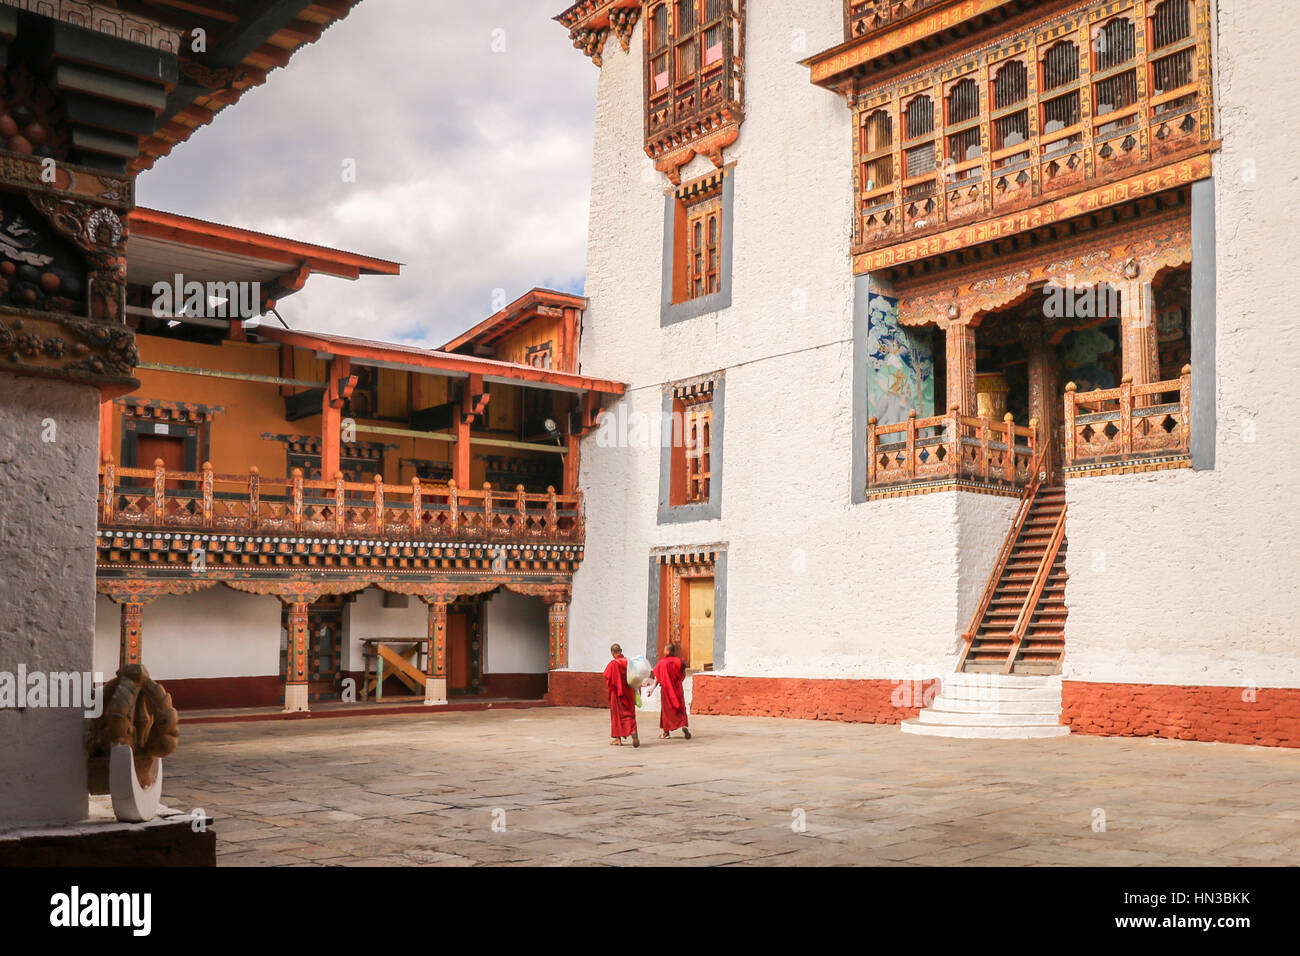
x,y
701,642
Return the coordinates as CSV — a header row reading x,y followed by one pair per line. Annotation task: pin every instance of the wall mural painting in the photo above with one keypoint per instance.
x,y
1091,358
900,362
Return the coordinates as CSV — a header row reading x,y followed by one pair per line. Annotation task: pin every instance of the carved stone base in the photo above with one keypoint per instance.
x,y
295,698
435,690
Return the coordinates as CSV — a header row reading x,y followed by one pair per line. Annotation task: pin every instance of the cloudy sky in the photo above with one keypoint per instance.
x,y
470,125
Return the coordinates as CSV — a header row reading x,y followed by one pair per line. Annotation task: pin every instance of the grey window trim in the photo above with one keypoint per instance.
x,y
702,510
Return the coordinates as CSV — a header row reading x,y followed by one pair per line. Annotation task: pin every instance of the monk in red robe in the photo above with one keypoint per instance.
x,y
622,700
667,676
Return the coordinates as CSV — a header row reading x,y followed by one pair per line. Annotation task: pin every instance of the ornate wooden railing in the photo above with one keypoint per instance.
x,y
950,446
1132,421
250,503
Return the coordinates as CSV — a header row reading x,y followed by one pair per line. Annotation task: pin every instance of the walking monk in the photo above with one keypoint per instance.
x,y
622,700
667,675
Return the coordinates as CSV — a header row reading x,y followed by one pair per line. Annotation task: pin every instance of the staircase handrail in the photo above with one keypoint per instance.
x,y
1036,590
1026,502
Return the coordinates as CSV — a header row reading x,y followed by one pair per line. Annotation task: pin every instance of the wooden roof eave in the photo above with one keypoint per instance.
x,y
493,327
156,224
436,362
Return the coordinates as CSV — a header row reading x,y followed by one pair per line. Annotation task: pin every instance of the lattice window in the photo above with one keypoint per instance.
x,y
918,123
696,275
697,426
1114,44
1011,118
704,246
963,115
659,49
877,150
692,442
1171,29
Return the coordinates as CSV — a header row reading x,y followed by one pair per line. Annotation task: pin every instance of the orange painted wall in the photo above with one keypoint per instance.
x,y
514,347
254,408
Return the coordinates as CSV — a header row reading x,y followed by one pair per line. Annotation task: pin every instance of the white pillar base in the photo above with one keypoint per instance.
x,y
132,803
295,698
435,690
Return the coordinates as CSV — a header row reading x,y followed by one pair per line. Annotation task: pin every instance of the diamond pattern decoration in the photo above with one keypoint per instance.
x,y
1128,144
1110,431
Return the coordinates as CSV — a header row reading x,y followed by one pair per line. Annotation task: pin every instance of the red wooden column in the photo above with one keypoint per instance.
x,y
295,670
961,367
337,390
106,430
435,681
571,465
559,620
132,648
473,402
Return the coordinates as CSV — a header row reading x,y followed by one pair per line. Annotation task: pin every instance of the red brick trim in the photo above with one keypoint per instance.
x,y
515,686
1223,714
216,693
853,701
577,689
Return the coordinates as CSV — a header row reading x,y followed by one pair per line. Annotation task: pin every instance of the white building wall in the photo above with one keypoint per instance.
x,y
816,586
1189,578
366,617
216,632
516,632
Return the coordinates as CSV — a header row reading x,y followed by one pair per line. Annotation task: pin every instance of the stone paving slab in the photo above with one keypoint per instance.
x,y
494,788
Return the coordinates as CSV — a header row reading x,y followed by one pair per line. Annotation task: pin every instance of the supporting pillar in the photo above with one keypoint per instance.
x,y
337,390
472,404
559,618
105,430
961,367
132,648
295,669
435,681
1141,348
1045,395
571,464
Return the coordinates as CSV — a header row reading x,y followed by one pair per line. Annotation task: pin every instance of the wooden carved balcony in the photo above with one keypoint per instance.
x,y
1130,428
938,452
1045,123
155,499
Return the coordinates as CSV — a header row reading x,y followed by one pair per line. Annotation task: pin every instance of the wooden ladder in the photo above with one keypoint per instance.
x,y
1019,625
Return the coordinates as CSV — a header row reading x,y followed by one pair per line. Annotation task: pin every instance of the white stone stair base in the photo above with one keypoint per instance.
x,y
992,707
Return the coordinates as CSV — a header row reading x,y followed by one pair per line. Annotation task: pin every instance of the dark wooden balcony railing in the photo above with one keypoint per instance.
x,y
1129,422
950,446
206,501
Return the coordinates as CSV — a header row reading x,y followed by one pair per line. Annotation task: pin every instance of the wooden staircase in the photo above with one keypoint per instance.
x,y
1019,627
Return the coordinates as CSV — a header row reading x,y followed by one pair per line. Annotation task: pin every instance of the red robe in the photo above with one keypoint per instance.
x,y
622,699
672,701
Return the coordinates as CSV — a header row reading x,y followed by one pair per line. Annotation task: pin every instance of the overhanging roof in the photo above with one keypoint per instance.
x,y
161,244
526,307
436,361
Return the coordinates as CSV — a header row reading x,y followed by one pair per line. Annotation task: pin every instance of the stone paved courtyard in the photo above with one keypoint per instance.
x,y
429,789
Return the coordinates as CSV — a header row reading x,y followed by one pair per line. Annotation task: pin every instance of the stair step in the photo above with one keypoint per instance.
x,y
982,733
1003,696
932,715
1045,706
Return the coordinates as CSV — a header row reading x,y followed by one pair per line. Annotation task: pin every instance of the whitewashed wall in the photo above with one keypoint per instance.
x,y
49,448
366,617
212,633
1190,578
817,587
517,636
